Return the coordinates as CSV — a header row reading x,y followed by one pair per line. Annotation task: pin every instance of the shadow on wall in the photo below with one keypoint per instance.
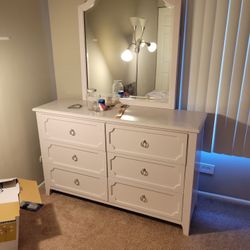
x,y
230,137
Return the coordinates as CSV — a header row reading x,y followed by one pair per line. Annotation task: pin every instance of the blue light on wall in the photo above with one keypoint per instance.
x,y
213,158
231,176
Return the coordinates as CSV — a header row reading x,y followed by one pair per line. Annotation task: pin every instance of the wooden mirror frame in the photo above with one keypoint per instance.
x,y
88,4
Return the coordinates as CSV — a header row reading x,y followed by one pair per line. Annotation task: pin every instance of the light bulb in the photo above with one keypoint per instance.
x,y
142,44
127,55
152,47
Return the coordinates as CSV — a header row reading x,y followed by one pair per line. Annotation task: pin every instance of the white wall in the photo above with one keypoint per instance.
x,y
147,61
26,81
99,75
66,48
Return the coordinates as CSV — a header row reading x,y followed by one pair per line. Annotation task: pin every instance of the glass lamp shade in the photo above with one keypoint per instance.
x,y
133,21
142,22
127,55
152,47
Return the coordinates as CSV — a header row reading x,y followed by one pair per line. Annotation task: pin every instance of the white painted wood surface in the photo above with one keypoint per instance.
x,y
143,162
87,185
144,117
83,133
158,145
157,175
164,47
147,200
80,159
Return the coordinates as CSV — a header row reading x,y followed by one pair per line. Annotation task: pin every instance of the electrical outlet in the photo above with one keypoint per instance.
x,y
206,168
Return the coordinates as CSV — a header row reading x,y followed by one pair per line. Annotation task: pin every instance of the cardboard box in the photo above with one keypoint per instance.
x,y
14,193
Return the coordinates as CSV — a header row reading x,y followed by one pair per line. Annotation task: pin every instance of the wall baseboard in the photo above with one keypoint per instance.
x,y
225,198
41,184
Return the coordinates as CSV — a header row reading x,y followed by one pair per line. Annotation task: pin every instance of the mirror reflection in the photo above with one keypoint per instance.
x,y
129,45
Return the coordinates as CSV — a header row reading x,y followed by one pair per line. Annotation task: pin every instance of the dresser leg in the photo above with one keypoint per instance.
x,y
47,189
186,230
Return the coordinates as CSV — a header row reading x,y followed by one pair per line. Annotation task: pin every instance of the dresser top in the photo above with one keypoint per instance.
x,y
178,120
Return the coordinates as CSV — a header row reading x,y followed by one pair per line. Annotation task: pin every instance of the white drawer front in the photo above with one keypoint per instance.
x,y
158,175
78,183
84,160
164,146
148,201
78,132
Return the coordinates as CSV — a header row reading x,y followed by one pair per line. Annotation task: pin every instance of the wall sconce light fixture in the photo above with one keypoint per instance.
x,y
137,42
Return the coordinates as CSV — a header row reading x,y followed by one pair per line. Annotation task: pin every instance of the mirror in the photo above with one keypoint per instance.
x,y
135,41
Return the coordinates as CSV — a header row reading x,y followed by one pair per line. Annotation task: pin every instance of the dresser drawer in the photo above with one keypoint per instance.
x,y
81,159
158,175
145,200
78,132
159,145
80,184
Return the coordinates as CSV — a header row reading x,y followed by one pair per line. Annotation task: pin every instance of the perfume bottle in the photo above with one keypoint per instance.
x,y
92,99
117,87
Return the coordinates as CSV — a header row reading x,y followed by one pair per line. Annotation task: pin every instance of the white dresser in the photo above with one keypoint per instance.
x,y
144,162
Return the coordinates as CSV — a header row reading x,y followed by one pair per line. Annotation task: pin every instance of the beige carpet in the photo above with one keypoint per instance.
x,y
67,222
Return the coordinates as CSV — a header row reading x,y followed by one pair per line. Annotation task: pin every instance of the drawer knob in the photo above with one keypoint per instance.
x,y
74,158
143,198
145,144
144,172
77,182
72,132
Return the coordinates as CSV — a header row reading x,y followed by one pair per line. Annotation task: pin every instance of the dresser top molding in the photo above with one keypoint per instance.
x,y
178,120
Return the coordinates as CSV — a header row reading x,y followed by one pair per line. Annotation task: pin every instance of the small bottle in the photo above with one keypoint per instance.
x,y
121,93
117,86
91,99
101,104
